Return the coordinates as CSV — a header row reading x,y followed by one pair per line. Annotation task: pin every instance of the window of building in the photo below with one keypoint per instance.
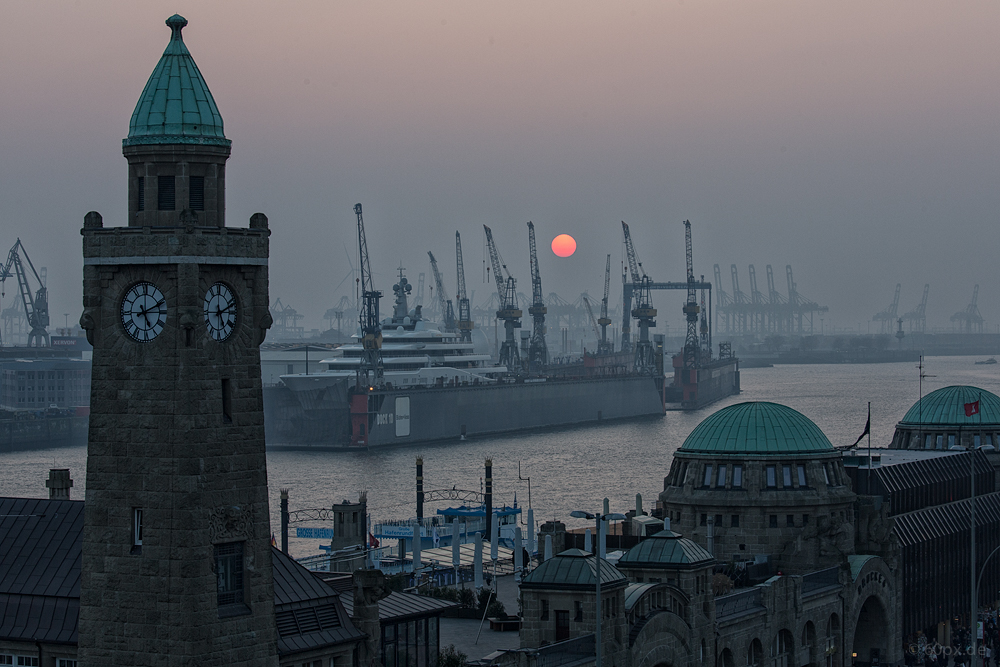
x,y
805,519
790,520
928,441
734,521
737,476
578,616
196,193
939,442
65,662
771,481
165,200
774,521
826,474
786,476
989,440
951,441
718,520
721,481
704,519
802,475
708,476
136,529
26,661
291,369
6,659
229,573
142,193
545,610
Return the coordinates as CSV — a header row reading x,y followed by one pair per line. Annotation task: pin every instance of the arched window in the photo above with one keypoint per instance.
x,y
755,654
781,649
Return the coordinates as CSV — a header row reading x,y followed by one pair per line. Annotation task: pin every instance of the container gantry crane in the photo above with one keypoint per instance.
x,y
444,303
605,346
593,320
887,316
917,318
370,371
464,323
36,305
970,319
538,351
691,309
508,310
645,361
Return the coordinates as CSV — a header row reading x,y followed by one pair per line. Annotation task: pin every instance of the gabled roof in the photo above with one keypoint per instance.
x,y
307,611
40,569
757,429
666,550
946,407
399,606
176,106
573,568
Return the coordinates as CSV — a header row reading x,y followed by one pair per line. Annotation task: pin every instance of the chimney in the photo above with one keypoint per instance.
x,y
369,588
420,488
59,484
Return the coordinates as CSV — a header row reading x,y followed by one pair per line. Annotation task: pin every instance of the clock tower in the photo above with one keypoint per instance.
x,y
176,545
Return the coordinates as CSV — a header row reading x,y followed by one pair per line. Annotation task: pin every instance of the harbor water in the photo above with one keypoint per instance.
x,y
570,468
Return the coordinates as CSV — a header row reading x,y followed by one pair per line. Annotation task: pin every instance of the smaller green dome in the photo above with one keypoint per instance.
x,y
666,549
573,568
946,407
756,429
176,106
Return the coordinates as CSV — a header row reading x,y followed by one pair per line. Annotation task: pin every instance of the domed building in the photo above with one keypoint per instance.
x,y
939,420
760,480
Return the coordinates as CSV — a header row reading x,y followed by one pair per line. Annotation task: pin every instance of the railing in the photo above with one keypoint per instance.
x,y
820,579
565,652
737,604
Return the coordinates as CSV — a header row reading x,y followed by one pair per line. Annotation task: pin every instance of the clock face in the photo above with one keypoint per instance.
x,y
144,312
220,311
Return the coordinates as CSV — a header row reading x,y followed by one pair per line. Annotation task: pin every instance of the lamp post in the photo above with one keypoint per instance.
x,y
598,607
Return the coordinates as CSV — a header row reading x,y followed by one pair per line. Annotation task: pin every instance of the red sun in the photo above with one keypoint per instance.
x,y
564,245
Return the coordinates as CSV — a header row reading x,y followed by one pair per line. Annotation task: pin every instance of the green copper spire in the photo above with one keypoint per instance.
x,y
176,106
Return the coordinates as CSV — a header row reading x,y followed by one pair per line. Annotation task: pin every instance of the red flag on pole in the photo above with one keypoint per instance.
x,y
972,408
373,543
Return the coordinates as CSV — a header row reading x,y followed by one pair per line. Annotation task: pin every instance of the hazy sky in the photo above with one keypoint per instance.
x,y
857,141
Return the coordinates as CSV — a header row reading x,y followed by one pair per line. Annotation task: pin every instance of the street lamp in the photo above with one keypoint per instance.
x,y
598,607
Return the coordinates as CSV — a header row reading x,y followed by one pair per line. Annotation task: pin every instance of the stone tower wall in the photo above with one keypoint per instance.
x,y
159,440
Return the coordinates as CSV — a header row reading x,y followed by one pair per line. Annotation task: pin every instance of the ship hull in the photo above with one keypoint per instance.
x,y
401,417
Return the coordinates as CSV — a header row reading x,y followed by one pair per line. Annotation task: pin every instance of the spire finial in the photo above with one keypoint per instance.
x,y
176,23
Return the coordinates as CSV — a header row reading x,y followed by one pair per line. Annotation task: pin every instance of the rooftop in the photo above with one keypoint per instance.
x,y
946,407
665,549
573,568
757,429
176,106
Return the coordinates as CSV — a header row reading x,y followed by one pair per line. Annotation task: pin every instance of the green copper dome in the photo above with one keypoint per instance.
x,y
756,429
573,568
946,407
176,106
668,550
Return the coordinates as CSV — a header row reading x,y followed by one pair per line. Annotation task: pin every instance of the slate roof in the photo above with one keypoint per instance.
x,y
668,550
176,106
946,407
757,429
573,569
307,611
399,606
40,569
40,560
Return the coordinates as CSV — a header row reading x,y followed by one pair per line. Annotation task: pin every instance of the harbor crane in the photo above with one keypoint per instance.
x,y
725,301
419,300
917,318
593,320
706,342
691,309
538,351
643,311
970,319
740,300
778,304
605,346
464,323
508,310
35,304
887,316
444,303
758,303
370,370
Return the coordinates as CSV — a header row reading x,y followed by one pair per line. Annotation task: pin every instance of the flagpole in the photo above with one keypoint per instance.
x,y
870,448
974,619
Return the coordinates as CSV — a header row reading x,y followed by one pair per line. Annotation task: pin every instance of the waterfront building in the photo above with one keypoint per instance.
x,y
782,581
